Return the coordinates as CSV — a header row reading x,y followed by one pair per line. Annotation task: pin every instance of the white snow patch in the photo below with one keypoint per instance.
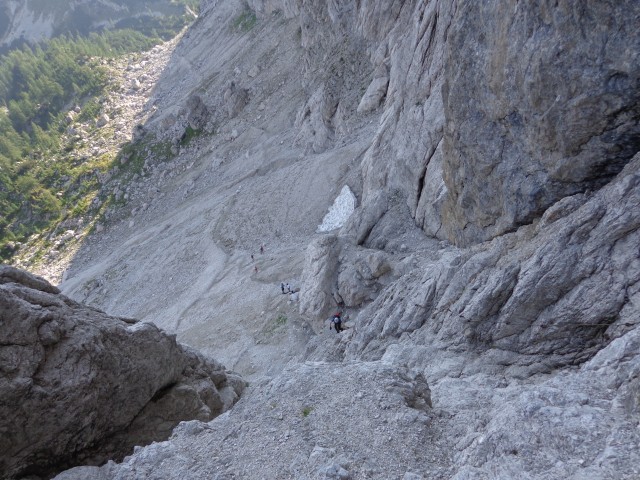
x,y
342,208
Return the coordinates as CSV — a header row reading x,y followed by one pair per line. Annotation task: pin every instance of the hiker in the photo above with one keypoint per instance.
x,y
337,321
288,288
252,257
261,248
255,269
282,287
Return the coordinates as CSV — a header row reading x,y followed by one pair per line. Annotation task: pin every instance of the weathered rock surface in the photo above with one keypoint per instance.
x,y
317,420
527,298
536,108
79,386
236,98
319,288
498,135
198,113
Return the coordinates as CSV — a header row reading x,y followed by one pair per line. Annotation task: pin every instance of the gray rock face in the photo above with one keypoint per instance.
x,y
536,108
316,119
527,298
488,117
318,294
406,153
79,386
376,91
337,273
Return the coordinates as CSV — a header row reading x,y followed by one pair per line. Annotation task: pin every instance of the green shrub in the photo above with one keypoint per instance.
x,y
245,21
189,134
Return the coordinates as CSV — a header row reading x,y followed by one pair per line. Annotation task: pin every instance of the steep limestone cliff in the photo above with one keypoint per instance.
x,y
541,102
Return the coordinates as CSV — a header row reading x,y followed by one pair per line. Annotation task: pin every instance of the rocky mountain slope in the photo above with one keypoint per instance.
x,y
492,260
36,20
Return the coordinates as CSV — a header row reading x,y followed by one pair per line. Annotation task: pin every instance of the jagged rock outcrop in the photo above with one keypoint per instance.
x,y
376,91
81,387
319,288
197,112
235,98
550,294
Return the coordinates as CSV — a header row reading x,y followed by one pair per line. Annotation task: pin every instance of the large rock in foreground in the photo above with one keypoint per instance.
x,y
81,387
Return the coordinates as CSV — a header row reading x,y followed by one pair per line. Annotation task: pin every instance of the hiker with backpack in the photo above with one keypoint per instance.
x,y
337,321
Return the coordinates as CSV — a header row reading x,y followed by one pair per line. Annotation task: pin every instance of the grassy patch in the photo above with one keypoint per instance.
x,y
245,21
306,411
89,111
275,325
189,134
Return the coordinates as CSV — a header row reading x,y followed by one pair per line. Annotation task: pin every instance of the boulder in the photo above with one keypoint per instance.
x,y
318,294
235,98
81,387
102,120
376,91
316,118
253,71
197,112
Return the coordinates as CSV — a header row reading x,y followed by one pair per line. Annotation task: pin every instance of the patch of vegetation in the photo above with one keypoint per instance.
x,y
44,175
306,411
189,134
245,21
275,325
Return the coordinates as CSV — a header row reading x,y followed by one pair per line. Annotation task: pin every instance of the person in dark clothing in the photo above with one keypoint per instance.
x,y
337,322
282,287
